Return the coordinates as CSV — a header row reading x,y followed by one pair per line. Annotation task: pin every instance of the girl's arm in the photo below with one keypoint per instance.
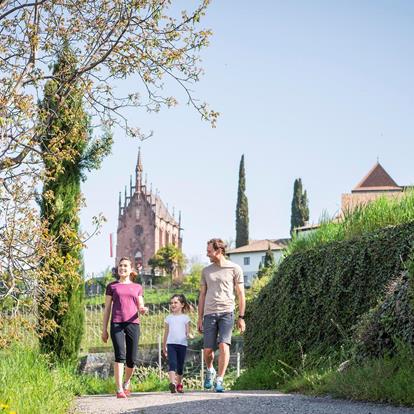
x,y
142,309
107,313
164,341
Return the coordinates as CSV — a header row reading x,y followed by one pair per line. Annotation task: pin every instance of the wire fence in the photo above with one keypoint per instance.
x,y
150,345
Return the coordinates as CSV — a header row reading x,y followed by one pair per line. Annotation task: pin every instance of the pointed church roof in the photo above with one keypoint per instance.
x,y
139,161
377,179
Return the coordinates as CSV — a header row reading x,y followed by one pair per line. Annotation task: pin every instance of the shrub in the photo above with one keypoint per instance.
x,y
317,295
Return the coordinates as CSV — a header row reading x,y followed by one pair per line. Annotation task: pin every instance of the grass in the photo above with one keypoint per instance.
x,y
380,213
383,380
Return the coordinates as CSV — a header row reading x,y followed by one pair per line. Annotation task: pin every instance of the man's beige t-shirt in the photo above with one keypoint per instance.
x,y
220,282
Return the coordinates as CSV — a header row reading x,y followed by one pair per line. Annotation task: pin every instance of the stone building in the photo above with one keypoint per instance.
x,y
144,223
375,184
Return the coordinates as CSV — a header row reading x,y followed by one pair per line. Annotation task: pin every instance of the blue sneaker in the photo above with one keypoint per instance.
x,y
219,385
209,378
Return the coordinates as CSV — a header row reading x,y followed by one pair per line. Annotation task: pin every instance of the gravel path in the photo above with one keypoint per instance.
x,y
241,402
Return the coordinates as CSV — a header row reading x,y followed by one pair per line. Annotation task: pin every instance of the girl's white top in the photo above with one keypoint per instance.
x,y
176,329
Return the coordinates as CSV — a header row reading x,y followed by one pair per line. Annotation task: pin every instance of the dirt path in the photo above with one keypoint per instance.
x,y
241,402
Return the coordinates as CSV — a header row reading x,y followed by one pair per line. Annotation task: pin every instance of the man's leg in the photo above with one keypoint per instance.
x,y
210,342
224,359
209,357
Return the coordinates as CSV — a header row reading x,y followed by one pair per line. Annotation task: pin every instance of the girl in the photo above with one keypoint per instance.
x,y
176,333
124,298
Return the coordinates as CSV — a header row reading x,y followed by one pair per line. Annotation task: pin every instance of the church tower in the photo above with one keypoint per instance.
x,y
144,223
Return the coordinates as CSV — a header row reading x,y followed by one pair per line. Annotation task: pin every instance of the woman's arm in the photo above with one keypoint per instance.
x,y
107,314
142,309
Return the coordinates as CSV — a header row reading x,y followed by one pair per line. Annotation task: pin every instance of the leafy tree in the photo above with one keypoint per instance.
x,y
168,258
192,280
138,43
64,127
300,209
242,209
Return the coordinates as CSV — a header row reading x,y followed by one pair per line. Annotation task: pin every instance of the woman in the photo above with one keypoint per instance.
x,y
124,298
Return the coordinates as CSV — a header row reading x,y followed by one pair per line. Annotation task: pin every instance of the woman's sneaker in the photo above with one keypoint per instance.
x,y
127,391
209,378
180,388
121,394
172,388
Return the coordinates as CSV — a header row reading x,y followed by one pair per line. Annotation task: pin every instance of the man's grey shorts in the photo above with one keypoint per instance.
x,y
217,327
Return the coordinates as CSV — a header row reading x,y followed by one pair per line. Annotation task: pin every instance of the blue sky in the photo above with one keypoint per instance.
x,y
316,90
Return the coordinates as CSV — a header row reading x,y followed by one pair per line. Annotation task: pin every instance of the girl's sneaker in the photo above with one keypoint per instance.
x,y
180,388
121,394
172,388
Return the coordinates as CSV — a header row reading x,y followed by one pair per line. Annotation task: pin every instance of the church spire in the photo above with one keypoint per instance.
x,y
138,172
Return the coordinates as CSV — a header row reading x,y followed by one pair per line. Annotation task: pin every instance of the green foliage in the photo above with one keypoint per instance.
x,y
26,377
242,209
300,209
377,214
192,280
269,265
168,258
317,295
386,380
64,130
390,322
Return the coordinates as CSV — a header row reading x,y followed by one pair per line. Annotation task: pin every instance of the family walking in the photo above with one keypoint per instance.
x,y
220,282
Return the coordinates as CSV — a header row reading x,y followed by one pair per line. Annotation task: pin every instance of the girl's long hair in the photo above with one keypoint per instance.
x,y
183,300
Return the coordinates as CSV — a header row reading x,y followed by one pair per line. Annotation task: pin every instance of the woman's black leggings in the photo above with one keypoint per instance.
x,y
125,333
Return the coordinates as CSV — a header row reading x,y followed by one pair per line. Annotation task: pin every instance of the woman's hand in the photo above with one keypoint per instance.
x,y
105,336
143,310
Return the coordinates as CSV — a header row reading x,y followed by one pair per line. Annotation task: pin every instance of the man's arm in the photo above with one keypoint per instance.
x,y
241,325
201,301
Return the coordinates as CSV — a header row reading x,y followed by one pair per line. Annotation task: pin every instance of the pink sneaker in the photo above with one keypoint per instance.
x,y
127,391
121,394
180,388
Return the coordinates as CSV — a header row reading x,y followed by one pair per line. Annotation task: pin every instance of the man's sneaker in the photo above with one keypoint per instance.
x,y
209,378
120,395
180,388
172,388
218,387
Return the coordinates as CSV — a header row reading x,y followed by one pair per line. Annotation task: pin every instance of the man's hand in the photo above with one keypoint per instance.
x,y
200,325
241,325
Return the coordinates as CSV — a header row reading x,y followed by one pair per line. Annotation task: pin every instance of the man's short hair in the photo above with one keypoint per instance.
x,y
218,244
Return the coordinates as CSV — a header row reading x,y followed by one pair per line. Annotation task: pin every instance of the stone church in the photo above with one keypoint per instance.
x,y
144,223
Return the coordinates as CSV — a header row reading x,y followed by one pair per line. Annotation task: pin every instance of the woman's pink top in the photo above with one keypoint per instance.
x,y
124,301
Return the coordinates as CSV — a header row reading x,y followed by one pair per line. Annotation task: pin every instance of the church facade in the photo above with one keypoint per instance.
x,y
144,223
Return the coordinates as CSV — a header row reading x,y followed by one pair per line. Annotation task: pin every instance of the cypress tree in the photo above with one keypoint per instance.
x,y
64,129
242,209
300,209
269,265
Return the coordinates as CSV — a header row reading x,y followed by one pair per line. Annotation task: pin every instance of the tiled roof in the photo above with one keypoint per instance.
x,y
261,246
377,179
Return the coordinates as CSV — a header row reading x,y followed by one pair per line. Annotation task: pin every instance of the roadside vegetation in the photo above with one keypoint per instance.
x,y
341,322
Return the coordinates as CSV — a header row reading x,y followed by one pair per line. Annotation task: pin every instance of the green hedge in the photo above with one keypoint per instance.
x,y
390,323
317,296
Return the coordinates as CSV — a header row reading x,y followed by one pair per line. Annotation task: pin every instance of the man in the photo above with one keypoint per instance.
x,y
216,306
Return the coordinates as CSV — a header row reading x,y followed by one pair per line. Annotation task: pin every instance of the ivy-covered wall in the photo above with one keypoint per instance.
x,y
317,296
